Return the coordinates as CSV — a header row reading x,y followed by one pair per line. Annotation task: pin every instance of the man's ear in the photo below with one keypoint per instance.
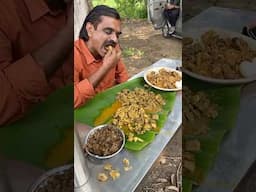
x,y
89,28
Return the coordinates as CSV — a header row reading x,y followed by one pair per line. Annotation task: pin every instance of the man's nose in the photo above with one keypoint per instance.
x,y
114,38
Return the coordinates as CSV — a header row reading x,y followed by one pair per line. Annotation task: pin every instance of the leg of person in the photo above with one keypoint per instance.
x,y
167,15
174,15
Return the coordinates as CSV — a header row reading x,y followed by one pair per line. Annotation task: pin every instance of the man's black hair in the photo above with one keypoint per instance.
x,y
94,17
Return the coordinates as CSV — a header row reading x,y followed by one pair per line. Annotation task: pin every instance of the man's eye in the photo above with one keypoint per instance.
x,y
108,31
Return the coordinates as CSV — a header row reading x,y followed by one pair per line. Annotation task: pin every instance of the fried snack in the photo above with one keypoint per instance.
x,y
138,112
198,110
126,162
146,99
102,177
128,168
114,174
215,56
107,167
164,79
109,48
196,106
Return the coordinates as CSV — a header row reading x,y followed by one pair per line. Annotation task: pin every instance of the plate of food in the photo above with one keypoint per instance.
x,y
139,110
219,56
164,78
208,116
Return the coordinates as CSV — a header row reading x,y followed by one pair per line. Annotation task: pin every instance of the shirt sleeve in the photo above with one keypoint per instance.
x,y
121,73
22,83
83,89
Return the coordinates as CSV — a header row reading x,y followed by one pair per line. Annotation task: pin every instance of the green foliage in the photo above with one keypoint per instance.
x,y
131,51
127,8
110,3
132,8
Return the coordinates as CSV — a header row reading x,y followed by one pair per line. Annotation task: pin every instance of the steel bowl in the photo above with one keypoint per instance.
x,y
42,181
92,131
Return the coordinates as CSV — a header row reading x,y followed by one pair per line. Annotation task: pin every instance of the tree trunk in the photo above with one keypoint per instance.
x,y
81,9
90,4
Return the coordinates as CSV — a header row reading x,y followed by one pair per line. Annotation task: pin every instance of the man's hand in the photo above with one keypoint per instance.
x,y
109,61
111,58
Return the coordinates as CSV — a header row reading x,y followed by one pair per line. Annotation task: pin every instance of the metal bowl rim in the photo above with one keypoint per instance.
x,y
108,156
43,178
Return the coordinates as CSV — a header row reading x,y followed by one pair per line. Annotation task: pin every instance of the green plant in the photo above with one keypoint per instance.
x,y
132,8
126,8
131,52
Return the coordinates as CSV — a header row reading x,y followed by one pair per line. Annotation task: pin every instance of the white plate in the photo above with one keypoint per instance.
x,y
156,69
196,34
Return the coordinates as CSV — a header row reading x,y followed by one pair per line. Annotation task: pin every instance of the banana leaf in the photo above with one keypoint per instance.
x,y
186,185
228,100
93,108
44,137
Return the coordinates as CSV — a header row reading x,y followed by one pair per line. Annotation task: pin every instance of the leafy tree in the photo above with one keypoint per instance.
x,y
132,8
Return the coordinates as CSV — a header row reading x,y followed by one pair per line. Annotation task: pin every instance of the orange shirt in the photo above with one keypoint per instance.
x,y
84,66
25,25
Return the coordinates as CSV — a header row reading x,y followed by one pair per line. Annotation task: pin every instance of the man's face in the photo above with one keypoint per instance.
x,y
106,33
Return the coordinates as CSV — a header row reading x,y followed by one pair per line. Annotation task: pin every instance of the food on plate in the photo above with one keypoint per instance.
x,y
216,56
164,78
105,141
134,118
146,99
198,111
138,112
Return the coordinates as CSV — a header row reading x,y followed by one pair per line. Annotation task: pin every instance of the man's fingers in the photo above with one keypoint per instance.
x,y
119,53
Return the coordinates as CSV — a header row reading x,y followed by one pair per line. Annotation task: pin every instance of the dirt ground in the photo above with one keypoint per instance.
x,y
142,46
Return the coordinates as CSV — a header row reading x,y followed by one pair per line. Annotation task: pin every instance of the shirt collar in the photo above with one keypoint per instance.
x,y
36,8
85,50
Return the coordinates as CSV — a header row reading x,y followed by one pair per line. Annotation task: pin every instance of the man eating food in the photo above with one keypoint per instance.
x,y
97,63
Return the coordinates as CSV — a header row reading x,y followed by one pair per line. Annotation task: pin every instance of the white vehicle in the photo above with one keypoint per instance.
x,y
156,16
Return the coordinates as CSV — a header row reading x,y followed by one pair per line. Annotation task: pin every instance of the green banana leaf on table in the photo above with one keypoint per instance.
x,y
44,137
92,109
228,100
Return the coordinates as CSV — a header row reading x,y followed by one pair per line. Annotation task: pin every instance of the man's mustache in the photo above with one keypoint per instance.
x,y
110,43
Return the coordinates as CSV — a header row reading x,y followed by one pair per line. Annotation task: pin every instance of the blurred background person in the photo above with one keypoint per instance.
x,y
36,57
